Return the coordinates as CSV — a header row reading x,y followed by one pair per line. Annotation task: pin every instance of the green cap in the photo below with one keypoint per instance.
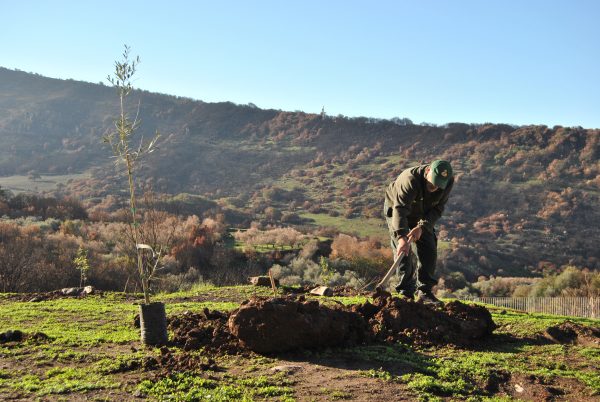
x,y
441,173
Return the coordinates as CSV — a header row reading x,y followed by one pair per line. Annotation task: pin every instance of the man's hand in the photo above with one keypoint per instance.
x,y
415,233
403,246
404,242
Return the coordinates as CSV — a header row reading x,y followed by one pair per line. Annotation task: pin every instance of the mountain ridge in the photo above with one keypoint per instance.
x,y
525,195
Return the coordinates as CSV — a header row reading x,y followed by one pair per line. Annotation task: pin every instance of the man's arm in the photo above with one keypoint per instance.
x,y
406,192
435,213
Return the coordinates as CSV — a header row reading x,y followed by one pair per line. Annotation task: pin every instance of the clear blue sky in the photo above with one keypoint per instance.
x,y
505,61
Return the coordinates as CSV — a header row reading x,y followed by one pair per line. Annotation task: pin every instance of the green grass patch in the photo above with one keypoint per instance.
x,y
527,324
60,380
379,373
370,227
69,321
460,374
67,365
591,354
192,387
225,298
19,183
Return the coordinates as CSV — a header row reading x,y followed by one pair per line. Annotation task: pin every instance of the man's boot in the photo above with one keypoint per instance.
x,y
405,293
427,297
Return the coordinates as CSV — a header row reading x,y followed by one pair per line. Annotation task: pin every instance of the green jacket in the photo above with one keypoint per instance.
x,y
408,201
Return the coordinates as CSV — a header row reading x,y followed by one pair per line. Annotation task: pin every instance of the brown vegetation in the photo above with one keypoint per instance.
x,y
523,194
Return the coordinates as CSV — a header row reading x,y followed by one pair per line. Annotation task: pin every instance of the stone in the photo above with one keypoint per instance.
x,y
88,290
286,368
262,281
70,291
322,291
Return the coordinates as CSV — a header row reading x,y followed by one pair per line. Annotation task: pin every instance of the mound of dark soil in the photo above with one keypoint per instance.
x,y
19,336
206,329
284,324
572,333
348,291
169,362
393,319
274,325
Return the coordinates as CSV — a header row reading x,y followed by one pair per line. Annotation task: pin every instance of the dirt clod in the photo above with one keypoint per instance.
x,y
19,336
11,336
171,361
407,321
262,281
571,333
205,329
284,324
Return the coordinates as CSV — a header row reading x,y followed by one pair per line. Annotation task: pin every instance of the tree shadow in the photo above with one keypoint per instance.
x,y
399,359
507,343
396,359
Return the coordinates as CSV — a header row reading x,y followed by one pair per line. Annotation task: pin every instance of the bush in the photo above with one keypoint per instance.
x,y
304,271
501,287
572,282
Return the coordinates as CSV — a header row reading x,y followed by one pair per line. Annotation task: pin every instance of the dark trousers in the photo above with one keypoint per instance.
x,y
421,276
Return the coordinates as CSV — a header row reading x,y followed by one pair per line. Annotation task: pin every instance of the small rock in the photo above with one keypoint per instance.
x,y
262,281
322,291
88,290
36,299
519,388
70,291
286,368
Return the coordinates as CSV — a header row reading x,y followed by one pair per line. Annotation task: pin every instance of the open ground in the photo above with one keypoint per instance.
x,y
88,349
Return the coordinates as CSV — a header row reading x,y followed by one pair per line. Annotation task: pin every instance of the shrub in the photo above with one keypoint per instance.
x,y
501,287
572,282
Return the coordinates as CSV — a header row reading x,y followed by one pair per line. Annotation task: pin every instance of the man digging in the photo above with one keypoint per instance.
x,y
413,204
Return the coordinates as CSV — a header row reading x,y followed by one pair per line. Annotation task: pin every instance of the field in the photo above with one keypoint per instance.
x,y
366,227
24,184
88,349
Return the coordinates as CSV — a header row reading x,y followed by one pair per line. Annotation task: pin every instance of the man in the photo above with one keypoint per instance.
x,y
413,204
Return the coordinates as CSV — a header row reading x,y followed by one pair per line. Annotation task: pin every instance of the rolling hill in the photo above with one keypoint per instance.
x,y
525,201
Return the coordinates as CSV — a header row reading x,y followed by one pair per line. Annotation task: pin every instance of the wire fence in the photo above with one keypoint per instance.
x,y
587,307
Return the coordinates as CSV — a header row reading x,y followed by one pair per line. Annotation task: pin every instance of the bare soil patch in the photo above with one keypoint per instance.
x,y
571,333
536,388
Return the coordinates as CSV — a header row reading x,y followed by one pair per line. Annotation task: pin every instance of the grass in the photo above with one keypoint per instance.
x,y
232,296
371,227
61,381
19,184
91,320
528,324
190,386
94,353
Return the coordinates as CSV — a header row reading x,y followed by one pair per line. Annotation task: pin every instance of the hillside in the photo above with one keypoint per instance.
x,y
525,199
